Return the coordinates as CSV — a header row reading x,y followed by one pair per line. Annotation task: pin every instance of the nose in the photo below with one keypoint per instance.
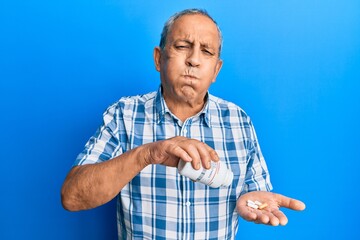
x,y
193,58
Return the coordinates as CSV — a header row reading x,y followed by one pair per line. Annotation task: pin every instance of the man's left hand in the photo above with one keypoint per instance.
x,y
270,215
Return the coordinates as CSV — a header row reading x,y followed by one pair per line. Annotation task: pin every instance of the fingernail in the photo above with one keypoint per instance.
x,y
208,164
198,165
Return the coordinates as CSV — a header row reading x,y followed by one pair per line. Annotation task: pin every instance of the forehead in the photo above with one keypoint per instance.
x,y
195,27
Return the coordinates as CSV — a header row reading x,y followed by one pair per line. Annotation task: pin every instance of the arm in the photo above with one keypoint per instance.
x,y
92,185
257,186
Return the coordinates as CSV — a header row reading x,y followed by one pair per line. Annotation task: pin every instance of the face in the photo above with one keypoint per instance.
x,y
190,61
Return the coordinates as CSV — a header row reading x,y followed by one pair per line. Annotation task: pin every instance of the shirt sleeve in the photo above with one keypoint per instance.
x,y
104,144
257,176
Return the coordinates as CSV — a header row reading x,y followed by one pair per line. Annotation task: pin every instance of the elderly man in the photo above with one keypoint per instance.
x,y
134,154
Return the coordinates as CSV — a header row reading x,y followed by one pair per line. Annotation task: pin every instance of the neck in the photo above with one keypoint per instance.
x,y
184,110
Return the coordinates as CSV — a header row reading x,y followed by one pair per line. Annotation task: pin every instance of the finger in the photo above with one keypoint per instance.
x,y
290,203
213,154
247,214
283,220
204,155
194,154
262,217
181,153
258,216
273,220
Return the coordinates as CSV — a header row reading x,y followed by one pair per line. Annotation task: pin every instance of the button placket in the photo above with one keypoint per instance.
x,y
186,201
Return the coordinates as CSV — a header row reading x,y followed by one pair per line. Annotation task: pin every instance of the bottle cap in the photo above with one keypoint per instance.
x,y
228,179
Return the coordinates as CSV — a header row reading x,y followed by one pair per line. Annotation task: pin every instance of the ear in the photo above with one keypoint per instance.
x,y
217,69
157,58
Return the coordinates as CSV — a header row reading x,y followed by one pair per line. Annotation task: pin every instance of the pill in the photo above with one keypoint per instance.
x,y
258,203
262,206
252,204
249,201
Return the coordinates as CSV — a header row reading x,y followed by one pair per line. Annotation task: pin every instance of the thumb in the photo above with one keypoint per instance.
x,y
290,203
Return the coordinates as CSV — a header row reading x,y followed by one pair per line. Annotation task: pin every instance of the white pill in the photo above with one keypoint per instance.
x,y
258,203
252,205
249,201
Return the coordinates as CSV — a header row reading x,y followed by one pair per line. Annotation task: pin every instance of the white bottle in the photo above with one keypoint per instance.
x,y
218,175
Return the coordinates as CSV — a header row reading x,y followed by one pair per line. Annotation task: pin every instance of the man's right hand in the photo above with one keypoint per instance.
x,y
92,185
168,152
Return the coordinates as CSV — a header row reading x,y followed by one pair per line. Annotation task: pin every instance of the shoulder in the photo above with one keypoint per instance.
x,y
132,102
128,106
217,104
228,115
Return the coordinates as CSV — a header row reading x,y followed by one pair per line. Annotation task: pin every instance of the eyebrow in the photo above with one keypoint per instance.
x,y
183,40
203,45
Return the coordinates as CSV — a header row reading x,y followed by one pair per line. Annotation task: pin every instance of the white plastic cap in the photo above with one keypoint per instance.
x,y
228,179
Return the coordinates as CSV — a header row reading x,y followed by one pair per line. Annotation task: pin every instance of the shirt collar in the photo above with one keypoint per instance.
x,y
162,109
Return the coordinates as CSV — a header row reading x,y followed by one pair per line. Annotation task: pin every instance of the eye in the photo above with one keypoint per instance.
x,y
181,47
207,52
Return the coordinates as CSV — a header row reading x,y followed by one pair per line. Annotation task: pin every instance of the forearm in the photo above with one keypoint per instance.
x,y
92,185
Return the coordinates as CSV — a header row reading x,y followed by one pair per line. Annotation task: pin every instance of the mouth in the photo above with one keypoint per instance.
x,y
189,76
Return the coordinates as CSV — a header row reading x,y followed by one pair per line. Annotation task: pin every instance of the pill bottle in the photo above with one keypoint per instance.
x,y
218,175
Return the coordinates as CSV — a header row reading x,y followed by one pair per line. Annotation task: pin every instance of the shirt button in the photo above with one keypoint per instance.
x,y
187,204
185,131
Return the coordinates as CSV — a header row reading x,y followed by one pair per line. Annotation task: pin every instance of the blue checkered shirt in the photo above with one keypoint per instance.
x,y
159,203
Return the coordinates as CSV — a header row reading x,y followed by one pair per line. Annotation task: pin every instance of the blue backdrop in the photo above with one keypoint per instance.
x,y
294,66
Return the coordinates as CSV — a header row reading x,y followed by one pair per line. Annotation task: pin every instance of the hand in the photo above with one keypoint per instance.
x,y
169,151
270,215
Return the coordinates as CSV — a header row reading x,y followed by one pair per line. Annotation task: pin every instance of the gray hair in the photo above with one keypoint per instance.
x,y
170,22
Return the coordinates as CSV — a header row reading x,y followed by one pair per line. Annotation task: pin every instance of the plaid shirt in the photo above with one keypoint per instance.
x,y
159,203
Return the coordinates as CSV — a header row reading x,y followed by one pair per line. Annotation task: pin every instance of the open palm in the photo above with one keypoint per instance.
x,y
270,215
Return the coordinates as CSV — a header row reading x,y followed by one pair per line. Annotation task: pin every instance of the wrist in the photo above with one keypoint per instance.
x,y
143,156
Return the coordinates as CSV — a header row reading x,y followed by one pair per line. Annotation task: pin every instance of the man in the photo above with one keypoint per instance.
x,y
135,152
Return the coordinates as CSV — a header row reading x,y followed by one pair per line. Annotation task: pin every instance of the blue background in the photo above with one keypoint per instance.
x,y
294,66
